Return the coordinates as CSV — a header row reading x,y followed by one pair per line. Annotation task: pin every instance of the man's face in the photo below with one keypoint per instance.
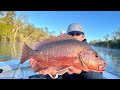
x,y
79,37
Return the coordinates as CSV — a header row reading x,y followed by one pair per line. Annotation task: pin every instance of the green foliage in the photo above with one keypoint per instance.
x,y
16,29
113,43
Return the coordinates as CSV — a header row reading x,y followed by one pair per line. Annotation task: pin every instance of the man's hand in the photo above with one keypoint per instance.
x,y
72,70
53,71
69,70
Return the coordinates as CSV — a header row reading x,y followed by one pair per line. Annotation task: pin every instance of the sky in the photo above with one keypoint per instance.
x,y
96,24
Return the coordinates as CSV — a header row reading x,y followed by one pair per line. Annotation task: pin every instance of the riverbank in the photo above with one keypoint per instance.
x,y
113,44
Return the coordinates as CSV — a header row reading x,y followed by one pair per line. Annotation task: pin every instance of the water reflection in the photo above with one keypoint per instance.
x,y
10,50
112,58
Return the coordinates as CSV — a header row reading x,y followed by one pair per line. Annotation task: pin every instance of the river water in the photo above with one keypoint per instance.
x,y
12,51
112,58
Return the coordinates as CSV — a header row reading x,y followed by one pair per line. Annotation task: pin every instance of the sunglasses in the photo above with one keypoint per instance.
x,y
77,34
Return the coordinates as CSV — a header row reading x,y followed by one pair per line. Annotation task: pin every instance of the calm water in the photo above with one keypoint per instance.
x,y
10,51
112,58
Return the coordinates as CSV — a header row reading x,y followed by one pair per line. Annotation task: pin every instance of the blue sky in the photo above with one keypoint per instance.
x,y
96,24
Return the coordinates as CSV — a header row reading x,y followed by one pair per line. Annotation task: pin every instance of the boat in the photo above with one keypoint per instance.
x,y
13,70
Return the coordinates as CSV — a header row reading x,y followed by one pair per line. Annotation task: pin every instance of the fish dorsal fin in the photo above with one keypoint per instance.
x,y
48,40
60,37
64,37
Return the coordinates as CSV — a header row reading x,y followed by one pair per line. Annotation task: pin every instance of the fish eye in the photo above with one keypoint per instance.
x,y
96,55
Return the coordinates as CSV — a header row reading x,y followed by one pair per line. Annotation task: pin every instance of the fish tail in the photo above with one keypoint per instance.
x,y
25,53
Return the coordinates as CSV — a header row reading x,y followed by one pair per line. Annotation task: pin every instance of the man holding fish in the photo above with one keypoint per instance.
x,y
67,56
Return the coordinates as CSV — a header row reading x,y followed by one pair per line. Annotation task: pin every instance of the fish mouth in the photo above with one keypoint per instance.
x,y
101,67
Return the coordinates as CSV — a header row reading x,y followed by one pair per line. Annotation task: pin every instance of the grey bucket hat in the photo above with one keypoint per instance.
x,y
75,28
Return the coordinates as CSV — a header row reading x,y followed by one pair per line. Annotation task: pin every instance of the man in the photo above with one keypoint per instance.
x,y
77,32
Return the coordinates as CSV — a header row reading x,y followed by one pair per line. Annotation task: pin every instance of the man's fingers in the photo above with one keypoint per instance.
x,y
72,70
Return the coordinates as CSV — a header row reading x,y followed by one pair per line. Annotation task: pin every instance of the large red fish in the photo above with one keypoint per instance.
x,y
59,53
